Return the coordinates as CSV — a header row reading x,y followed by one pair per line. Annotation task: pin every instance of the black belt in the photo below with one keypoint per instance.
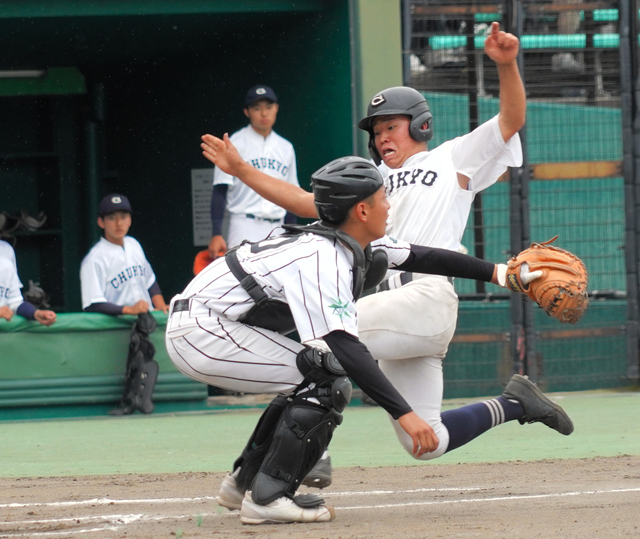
x,y
405,277
180,306
251,216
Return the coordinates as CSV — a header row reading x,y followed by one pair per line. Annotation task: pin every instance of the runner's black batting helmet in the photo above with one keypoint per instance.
x,y
399,100
341,184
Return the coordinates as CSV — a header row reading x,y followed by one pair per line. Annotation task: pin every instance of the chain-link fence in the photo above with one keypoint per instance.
x,y
577,180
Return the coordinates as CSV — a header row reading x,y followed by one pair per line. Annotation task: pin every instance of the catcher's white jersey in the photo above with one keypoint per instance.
x,y
311,273
272,155
428,206
10,284
115,274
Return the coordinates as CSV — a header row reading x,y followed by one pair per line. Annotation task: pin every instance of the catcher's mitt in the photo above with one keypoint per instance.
x,y
561,290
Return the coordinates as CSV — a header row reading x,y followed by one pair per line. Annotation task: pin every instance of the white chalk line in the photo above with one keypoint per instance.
x,y
112,523
119,521
107,501
110,501
497,498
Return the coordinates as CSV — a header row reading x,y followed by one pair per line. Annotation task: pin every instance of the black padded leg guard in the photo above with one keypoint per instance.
x,y
142,385
135,359
251,458
142,371
302,435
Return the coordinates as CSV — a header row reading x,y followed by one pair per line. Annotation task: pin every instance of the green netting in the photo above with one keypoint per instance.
x,y
545,41
588,214
572,364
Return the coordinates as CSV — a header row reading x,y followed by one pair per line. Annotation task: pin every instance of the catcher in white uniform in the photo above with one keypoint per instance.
x,y
227,329
409,326
252,217
11,300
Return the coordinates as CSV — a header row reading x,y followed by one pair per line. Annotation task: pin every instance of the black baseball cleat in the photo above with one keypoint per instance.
x,y
320,474
537,407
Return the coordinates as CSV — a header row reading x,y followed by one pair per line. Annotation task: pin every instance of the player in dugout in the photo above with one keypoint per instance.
x,y
11,300
116,278
251,217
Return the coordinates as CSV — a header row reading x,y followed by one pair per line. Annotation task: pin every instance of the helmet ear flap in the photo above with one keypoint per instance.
x,y
416,127
373,152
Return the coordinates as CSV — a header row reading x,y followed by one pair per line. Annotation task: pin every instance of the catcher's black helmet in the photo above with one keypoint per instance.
x,y
341,184
399,100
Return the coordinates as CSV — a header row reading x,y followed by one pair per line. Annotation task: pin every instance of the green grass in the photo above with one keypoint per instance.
x,y
606,425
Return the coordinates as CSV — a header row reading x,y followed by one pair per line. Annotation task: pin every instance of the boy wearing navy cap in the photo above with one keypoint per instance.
x,y
116,278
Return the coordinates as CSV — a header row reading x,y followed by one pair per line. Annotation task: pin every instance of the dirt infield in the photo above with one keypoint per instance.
x,y
581,498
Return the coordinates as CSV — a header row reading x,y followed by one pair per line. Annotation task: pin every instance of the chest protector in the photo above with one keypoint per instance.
x,y
369,268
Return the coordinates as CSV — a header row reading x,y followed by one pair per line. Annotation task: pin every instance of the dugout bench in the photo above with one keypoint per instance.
x,y
80,360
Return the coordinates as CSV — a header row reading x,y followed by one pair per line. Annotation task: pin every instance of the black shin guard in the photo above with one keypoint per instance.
x,y
305,428
142,386
251,458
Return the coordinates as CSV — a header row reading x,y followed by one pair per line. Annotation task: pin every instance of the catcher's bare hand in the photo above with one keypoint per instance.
x,y
423,436
500,46
222,153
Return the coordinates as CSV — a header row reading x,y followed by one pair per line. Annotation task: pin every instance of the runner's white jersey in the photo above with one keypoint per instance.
x,y
10,284
311,273
272,155
115,274
428,206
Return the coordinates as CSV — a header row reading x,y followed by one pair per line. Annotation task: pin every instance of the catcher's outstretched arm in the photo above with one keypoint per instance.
x,y
452,264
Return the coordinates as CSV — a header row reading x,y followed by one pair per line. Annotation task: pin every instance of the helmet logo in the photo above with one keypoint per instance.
x,y
261,91
116,200
378,100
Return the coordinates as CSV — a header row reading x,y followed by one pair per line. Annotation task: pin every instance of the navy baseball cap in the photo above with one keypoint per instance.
x,y
259,92
112,203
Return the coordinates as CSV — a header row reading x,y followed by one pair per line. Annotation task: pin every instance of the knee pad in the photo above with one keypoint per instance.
x,y
317,365
331,387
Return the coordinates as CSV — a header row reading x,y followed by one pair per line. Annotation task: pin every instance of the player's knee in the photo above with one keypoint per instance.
x,y
443,442
332,388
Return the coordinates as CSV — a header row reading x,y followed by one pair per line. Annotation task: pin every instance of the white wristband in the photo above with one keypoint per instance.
x,y
501,271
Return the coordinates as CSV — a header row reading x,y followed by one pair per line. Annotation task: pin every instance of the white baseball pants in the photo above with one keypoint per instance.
x,y
408,330
231,355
